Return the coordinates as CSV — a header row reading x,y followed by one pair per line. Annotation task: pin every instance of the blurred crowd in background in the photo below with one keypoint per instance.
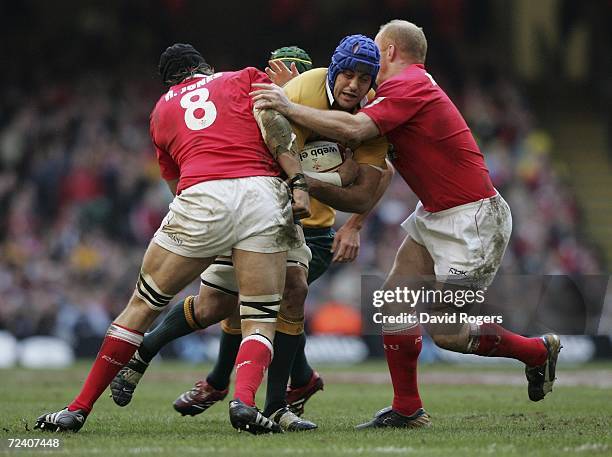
x,y
80,197
80,194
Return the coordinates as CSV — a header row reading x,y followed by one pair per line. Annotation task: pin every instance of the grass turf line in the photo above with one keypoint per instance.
x,y
468,419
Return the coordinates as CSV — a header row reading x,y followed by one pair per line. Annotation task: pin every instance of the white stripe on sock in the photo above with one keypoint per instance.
x,y
124,334
262,339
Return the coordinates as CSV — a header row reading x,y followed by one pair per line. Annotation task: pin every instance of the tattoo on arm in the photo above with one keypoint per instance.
x,y
276,132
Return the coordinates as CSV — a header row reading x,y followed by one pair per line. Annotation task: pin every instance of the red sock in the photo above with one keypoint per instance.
x,y
496,341
252,361
402,352
118,347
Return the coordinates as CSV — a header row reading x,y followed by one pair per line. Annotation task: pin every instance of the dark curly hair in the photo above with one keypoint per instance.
x,y
181,61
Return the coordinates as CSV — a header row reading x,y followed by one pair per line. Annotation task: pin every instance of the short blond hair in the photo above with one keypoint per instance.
x,y
407,37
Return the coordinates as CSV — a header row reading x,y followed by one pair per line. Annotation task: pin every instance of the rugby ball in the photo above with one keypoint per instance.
x,y
321,156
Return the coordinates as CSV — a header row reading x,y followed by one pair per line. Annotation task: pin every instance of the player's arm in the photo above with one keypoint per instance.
x,y
280,140
339,125
357,220
346,242
344,176
168,168
172,184
356,198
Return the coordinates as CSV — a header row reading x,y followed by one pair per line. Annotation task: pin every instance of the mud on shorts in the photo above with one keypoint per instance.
x,y
314,255
467,242
212,217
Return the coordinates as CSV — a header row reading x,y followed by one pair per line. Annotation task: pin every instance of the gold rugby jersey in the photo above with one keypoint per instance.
x,y
311,89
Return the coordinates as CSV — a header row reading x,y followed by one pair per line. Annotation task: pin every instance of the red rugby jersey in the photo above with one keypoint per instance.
x,y
203,129
436,153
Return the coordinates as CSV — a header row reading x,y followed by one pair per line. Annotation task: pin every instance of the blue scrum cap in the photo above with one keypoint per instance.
x,y
356,53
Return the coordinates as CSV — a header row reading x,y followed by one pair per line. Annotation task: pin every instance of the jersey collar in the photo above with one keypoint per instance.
x,y
189,78
330,95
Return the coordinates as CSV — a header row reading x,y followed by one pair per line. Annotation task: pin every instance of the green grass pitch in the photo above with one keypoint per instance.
x,y
468,419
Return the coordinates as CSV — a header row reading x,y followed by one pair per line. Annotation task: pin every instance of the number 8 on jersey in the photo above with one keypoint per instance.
x,y
193,101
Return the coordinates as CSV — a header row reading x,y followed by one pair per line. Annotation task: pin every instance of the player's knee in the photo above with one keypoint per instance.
x,y
294,297
212,309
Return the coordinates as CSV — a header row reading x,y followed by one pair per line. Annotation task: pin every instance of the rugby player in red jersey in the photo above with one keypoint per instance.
x,y
460,228
218,293
228,197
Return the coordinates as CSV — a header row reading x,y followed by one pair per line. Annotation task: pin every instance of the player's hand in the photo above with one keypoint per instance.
x,y
346,245
279,73
300,204
349,169
270,96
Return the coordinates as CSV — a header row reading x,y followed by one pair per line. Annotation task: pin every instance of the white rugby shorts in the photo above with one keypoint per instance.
x,y
220,274
212,217
467,242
